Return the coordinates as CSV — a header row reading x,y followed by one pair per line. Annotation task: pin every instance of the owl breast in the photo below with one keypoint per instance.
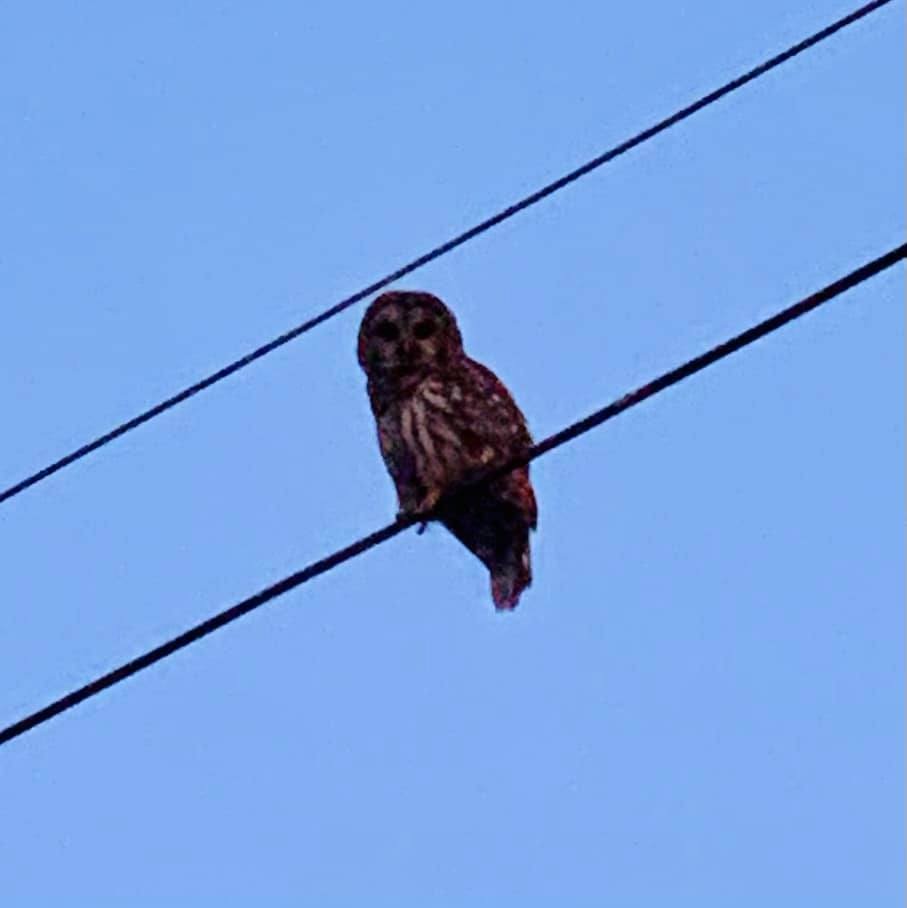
x,y
426,442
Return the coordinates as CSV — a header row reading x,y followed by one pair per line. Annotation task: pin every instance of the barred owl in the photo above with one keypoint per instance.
x,y
444,419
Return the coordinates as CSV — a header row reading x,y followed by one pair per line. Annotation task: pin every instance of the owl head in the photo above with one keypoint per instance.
x,y
407,332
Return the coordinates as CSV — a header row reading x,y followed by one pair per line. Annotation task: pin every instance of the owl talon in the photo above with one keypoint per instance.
x,y
422,507
405,514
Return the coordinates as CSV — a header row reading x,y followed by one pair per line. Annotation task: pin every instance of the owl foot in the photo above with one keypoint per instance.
x,y
423,506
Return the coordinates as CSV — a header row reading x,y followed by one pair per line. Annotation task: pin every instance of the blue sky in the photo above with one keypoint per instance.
x,y
700,700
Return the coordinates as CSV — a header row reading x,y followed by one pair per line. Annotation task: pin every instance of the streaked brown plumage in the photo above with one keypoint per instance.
x,y
444,419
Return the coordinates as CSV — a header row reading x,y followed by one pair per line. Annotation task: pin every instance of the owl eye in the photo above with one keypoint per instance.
x,y
424,329
387,331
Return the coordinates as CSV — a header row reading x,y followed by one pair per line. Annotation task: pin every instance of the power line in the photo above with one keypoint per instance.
x,y
642,393
443,249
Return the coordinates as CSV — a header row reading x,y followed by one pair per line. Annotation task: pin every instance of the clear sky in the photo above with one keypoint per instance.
x,y
699,702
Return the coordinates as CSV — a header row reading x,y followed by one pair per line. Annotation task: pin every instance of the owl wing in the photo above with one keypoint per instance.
x,y
492,520
492,430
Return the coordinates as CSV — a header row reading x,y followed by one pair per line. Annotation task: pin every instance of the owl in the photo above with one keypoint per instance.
x,y
443,420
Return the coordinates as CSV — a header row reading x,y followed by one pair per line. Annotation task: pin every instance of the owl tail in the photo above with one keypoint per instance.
x,y
509,577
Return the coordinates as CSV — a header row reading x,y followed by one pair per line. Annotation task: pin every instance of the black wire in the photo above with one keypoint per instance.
x,y
689,368
438,251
